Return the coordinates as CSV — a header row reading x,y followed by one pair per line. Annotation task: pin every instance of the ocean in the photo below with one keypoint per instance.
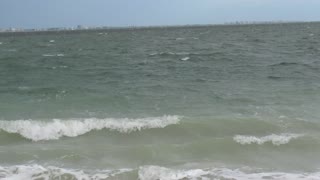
x,y
171,103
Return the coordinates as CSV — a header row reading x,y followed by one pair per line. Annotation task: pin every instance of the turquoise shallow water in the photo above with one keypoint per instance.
x,y
166,103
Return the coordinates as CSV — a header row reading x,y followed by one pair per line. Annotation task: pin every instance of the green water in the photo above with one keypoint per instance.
x,y
165,103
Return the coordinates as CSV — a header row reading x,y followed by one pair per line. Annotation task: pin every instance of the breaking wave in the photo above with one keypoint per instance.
x,y
156,172
51,172
53,55
37,130
145,173
273,138
172,54
185,59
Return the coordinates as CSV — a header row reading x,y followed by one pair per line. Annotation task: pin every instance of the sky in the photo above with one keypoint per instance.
x,y
70,13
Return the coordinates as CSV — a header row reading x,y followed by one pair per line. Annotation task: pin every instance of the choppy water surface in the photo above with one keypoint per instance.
x,y
213,102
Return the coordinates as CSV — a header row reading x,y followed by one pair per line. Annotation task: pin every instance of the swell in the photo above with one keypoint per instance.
x,y
287,64
37,130
235,131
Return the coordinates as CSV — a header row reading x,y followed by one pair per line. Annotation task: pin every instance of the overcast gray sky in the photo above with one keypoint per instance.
x,y
69,13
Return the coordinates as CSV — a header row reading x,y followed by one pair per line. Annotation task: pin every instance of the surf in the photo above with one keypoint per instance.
x,y
37,130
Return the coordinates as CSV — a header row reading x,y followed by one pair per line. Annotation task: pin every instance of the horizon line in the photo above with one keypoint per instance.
x,y
103,27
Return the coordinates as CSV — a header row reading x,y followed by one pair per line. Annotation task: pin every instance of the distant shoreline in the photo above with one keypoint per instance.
x,y
129,28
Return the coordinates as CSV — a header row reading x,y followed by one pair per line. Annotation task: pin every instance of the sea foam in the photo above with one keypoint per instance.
x,y
51,172
53,55
146,173
172,53
37,130
185,59
162,173
273,138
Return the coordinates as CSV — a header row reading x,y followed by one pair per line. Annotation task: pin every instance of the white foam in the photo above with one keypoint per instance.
x,y
273,138
52,41
146,173
181,53
0,43
48,55
161,173
185,59
46,173
37,130
153,54
23,88
53,55
170,53
156,172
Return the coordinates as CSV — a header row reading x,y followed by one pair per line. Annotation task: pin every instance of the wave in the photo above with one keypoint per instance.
x,y
290,64
156,172
180,38
145,173
53,55
273,138
37,130
185,59
51,172
172,54
274,77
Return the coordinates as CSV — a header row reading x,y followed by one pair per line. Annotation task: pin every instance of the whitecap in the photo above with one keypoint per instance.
x,y
48,55
273,138
52,41
37,130
0,43
24,88
36,171
170,53
153,54
51,172
157,172
53,55
181,53
185,59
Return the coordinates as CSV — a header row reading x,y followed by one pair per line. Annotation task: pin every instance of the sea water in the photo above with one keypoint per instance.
x,y
210,102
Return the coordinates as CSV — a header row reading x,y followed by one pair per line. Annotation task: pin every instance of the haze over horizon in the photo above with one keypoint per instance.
x,y
59,13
